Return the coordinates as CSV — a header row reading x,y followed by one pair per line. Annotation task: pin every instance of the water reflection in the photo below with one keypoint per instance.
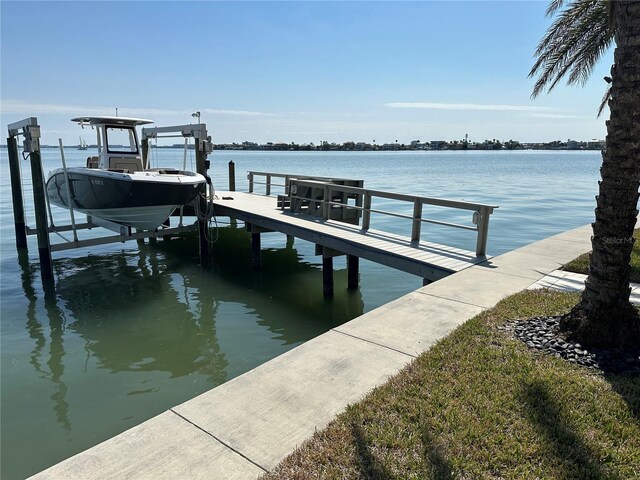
x,y
55,360
157,310
133,317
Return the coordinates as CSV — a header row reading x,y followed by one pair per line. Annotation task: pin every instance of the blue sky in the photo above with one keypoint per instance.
x,y
291,71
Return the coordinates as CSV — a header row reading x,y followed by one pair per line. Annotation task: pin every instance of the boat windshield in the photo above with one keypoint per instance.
x,y
121,140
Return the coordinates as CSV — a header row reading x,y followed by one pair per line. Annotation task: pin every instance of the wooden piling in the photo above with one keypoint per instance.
x,y
232,176
290,240
255,251
232,188
327,276
16,194
353,272
39,193
201,168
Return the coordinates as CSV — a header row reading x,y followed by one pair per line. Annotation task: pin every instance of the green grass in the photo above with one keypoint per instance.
x,y
581,264
479,404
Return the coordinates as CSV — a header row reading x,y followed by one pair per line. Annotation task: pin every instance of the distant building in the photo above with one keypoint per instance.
x,y
572,145
596,144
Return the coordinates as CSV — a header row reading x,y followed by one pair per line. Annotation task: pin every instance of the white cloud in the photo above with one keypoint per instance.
x,y
310,132
559,115
16,106
465,106
248,113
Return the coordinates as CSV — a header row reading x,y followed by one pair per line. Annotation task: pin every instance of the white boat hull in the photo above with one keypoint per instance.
x,y
142,218
141,200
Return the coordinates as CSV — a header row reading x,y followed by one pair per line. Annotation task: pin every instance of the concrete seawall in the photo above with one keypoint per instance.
x,y
248,425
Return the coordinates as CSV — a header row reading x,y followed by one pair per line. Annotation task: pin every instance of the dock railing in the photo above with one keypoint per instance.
x,y
321,199
267,179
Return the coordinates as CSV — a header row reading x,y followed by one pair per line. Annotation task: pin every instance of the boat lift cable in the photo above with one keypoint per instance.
x,y
48,204
22,189
184,167
68,185
214,223
208,215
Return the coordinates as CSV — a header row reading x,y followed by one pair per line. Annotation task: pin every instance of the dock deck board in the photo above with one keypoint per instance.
x,y
426,259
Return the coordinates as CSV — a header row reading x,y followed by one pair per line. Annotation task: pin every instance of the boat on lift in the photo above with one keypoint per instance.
x,y
117,186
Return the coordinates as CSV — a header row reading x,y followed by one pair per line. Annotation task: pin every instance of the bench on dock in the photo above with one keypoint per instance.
x,y
310,202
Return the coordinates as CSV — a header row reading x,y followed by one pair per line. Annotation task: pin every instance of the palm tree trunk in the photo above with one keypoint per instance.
x,y
604,315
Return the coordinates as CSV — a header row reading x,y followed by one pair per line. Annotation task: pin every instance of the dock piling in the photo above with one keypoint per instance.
x,y
16,194
232,176
290,240
327,276
39,194
255,251
201,168
353,272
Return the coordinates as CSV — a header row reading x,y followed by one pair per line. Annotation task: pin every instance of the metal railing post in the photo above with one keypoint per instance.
x,y
483,231
250,177
417,220
366,214
145,153
326,206
268,186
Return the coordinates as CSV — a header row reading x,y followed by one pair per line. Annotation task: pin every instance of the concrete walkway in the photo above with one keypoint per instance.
x,y
574,282
248,425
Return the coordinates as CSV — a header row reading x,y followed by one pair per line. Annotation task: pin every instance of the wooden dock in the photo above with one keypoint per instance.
x,y
431,261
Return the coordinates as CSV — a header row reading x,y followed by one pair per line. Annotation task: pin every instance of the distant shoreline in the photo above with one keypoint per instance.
x,y
553,146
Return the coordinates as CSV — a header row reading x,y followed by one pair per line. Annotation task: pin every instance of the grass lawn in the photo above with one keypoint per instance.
x,y
479,404
581,264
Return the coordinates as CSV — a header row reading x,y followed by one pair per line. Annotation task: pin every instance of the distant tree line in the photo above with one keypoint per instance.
x,y
493,144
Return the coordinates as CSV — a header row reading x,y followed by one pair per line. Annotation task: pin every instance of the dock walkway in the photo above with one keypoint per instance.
x,y
246,426
426,259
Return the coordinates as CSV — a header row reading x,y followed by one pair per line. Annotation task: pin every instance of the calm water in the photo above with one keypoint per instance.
x,y
127,333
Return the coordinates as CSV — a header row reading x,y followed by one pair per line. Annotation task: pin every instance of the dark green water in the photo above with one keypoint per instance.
x,y
126,334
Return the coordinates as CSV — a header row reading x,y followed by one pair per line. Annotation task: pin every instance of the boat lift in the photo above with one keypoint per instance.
x,y
30,131
203,148
198,132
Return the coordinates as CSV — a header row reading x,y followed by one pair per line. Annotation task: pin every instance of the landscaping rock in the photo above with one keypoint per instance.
x,y
542,334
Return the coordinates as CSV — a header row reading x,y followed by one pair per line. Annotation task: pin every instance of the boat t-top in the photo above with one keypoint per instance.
x,y
116,185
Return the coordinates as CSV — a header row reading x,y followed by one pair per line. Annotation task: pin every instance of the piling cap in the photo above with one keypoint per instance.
x,y
131,122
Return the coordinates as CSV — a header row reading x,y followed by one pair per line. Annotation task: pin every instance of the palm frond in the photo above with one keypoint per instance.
x,y
573,44
554,6
605,101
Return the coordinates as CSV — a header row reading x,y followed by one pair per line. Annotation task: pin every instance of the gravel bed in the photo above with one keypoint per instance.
x,y
541,333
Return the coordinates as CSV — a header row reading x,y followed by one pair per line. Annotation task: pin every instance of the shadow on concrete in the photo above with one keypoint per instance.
x,y
573,454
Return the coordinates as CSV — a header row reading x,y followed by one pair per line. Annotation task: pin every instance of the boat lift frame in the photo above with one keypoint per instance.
x,y
29,129
203,148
